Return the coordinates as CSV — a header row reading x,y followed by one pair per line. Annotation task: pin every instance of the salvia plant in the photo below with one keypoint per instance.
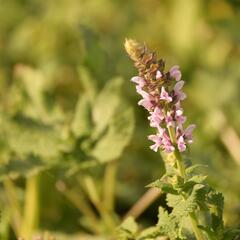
x,y
195,209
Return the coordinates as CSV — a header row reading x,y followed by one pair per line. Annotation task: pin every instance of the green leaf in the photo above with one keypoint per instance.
x,y
197,179
117,136
192,168
150,233
87,82
164,186
231,234
215,202
82,122
128,229
34,91
25,166
26,136
184,207
173,200
168,225
106,103
209,232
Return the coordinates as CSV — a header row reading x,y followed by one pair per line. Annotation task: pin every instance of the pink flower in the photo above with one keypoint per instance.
x,y
178,91
156,117
157,142
169,120
139,80
165,96
188,133
167,144
175,72
146,103
163,115
181,144
169,147
179,117
140,91
158,74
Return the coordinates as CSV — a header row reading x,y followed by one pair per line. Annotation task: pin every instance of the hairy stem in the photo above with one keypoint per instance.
x,y
181,168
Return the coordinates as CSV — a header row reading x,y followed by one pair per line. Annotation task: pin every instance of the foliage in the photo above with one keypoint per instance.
x,y
73,49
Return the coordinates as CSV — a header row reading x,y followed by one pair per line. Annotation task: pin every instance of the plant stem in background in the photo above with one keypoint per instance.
x,y
12,198
109,185
96,201
76,197
143,203
31,207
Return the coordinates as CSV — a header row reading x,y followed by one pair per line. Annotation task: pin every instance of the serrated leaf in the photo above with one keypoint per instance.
x,y
111,145
82,122
216,204
168,225
197,179
149,234
173,200
165,187
186,206
106,103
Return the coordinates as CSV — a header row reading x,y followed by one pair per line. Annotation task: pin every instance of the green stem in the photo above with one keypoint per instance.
x,y
31,207
76,196
96,201
109,185
13,202
181,168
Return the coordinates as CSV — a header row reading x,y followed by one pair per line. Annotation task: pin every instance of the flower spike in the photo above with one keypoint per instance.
x,y
162,94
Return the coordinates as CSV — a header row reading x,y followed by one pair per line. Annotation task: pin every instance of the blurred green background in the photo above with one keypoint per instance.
x,y
64,86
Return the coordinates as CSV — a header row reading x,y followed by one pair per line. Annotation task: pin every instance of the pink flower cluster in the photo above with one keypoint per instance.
x,y
163,102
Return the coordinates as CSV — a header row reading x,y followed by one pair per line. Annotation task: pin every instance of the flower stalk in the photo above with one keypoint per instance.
x,y
162,95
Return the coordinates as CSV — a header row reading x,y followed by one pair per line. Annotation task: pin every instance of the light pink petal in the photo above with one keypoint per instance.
x,y
139,80
146,104
154,147
178,105
157,142
164,95
169,120
179,116
182,96
188,133
189,129
178,92
181,144
156,117
158,75
179,86
169,148
153,138
161,131
142,92
175,73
